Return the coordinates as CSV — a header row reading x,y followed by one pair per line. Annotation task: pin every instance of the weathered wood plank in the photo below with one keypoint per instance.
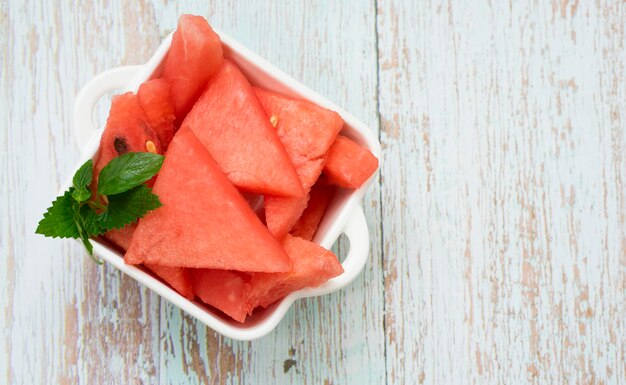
x,y
503,195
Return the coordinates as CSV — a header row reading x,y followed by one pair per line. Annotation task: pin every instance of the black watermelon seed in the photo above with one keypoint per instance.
x,y
120,145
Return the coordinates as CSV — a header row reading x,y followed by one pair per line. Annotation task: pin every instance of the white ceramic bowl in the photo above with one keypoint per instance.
x,y
344,214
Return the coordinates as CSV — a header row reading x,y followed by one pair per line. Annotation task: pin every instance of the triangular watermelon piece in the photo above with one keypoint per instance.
x,y
312,266
348,164
231,124
194,56
127,130
155,99
176,277
204,221
307,131
225,290
307,224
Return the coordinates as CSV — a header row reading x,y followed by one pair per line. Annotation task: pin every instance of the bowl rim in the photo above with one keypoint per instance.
x,y
349,220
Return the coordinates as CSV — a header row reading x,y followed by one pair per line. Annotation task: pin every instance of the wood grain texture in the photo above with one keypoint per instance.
x,y
498,225
502,194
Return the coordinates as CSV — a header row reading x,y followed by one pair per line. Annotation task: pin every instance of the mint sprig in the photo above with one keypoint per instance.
x,y
81,181
58,221
121,199
128,171
124,208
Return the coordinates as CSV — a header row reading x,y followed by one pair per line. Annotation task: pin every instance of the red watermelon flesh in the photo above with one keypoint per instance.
x,y
312,266
281,213
127,130
121,237
156,100
194,57
176,277
307,224
204,221
230,122
306,131
348,164
225,290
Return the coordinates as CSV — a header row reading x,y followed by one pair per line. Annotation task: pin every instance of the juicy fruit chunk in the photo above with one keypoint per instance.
x,y
204,221
121,237
348,164
281,213
312,266
222,289
194,56
176,277
231,124
307,224
306,131
127,130
155,99
238,294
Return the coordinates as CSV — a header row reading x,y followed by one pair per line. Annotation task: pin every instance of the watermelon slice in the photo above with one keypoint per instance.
x,y
204,221
156,100
176,277
225,290
348,164
312,266
121,237
306,131
320,197
231,124
127,130
194,56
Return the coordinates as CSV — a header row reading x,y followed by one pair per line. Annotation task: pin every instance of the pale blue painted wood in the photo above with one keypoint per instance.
x,y
503,196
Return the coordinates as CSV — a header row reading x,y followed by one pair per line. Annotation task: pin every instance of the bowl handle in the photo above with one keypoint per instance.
x,y
111,80
358,235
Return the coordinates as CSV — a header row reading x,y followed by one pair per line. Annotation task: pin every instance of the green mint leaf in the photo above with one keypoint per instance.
x,y
127,207
76,215
83,229
128,171
58,221
81,194
82,232
90,221
82,178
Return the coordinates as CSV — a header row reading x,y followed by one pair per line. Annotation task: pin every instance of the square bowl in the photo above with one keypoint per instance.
x,y
343,215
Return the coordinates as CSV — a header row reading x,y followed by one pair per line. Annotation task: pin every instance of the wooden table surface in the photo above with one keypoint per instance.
x,y
497,224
